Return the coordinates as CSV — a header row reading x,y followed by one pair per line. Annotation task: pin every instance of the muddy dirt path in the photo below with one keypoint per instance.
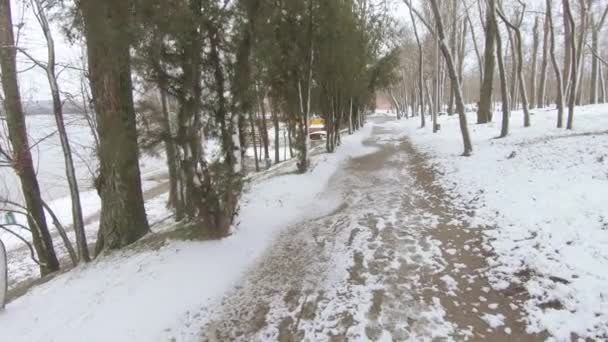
x,y
393,262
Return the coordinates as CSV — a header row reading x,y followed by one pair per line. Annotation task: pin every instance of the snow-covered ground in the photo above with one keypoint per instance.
x,y
543,193
164,294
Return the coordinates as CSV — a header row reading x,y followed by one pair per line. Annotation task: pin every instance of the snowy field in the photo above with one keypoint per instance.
x,y
165,294
545,190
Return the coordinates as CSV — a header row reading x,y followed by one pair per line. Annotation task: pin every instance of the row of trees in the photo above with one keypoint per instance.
x,y
517,51
213,67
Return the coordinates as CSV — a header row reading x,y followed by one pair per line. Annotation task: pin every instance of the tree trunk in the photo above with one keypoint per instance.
x,y
304,142
253,140
437,86
264,131
468,148
277,143
290,130
454,51
602,85
480,62
22,158
514,74
123,216
567,49
77,217
594,68
420,70
535,45
504,89
171,153
556,68
542,86
350,117
484,112
573,65
520,73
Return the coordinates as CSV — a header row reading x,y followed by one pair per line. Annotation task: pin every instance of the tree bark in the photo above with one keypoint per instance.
x,y
123,216
264,129
171,152
480,62
573,65
253,140
437,86
22,158
77,217
520,73
514,74
535,45
468,148
602,85
594,68
277,143
504,89
484,112
542,86
556,68
420,69
596,74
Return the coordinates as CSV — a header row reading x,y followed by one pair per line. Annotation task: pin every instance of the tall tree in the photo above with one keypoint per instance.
x,y
468,147
558,73
572,52
596,27
504,90
123,217
520,62
484,112
420,69
542,85
533,71
22,157
49,68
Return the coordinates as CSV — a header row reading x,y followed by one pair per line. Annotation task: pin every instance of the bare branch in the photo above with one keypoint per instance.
x,y
27,243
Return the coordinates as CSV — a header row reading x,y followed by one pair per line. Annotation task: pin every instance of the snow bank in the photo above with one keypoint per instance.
x,y
545,191
165,294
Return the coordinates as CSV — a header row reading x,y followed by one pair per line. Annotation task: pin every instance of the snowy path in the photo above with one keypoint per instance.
x,y
393,262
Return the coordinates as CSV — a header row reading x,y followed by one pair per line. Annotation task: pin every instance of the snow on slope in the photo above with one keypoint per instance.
x,y
164,294
546,192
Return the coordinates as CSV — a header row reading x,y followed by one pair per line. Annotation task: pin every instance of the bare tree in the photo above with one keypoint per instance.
x,y
542,85
22,158
573,64
596,27
504,90
49,68
533,78
480,61
468,148
420,69
520,73
558,74
484,112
